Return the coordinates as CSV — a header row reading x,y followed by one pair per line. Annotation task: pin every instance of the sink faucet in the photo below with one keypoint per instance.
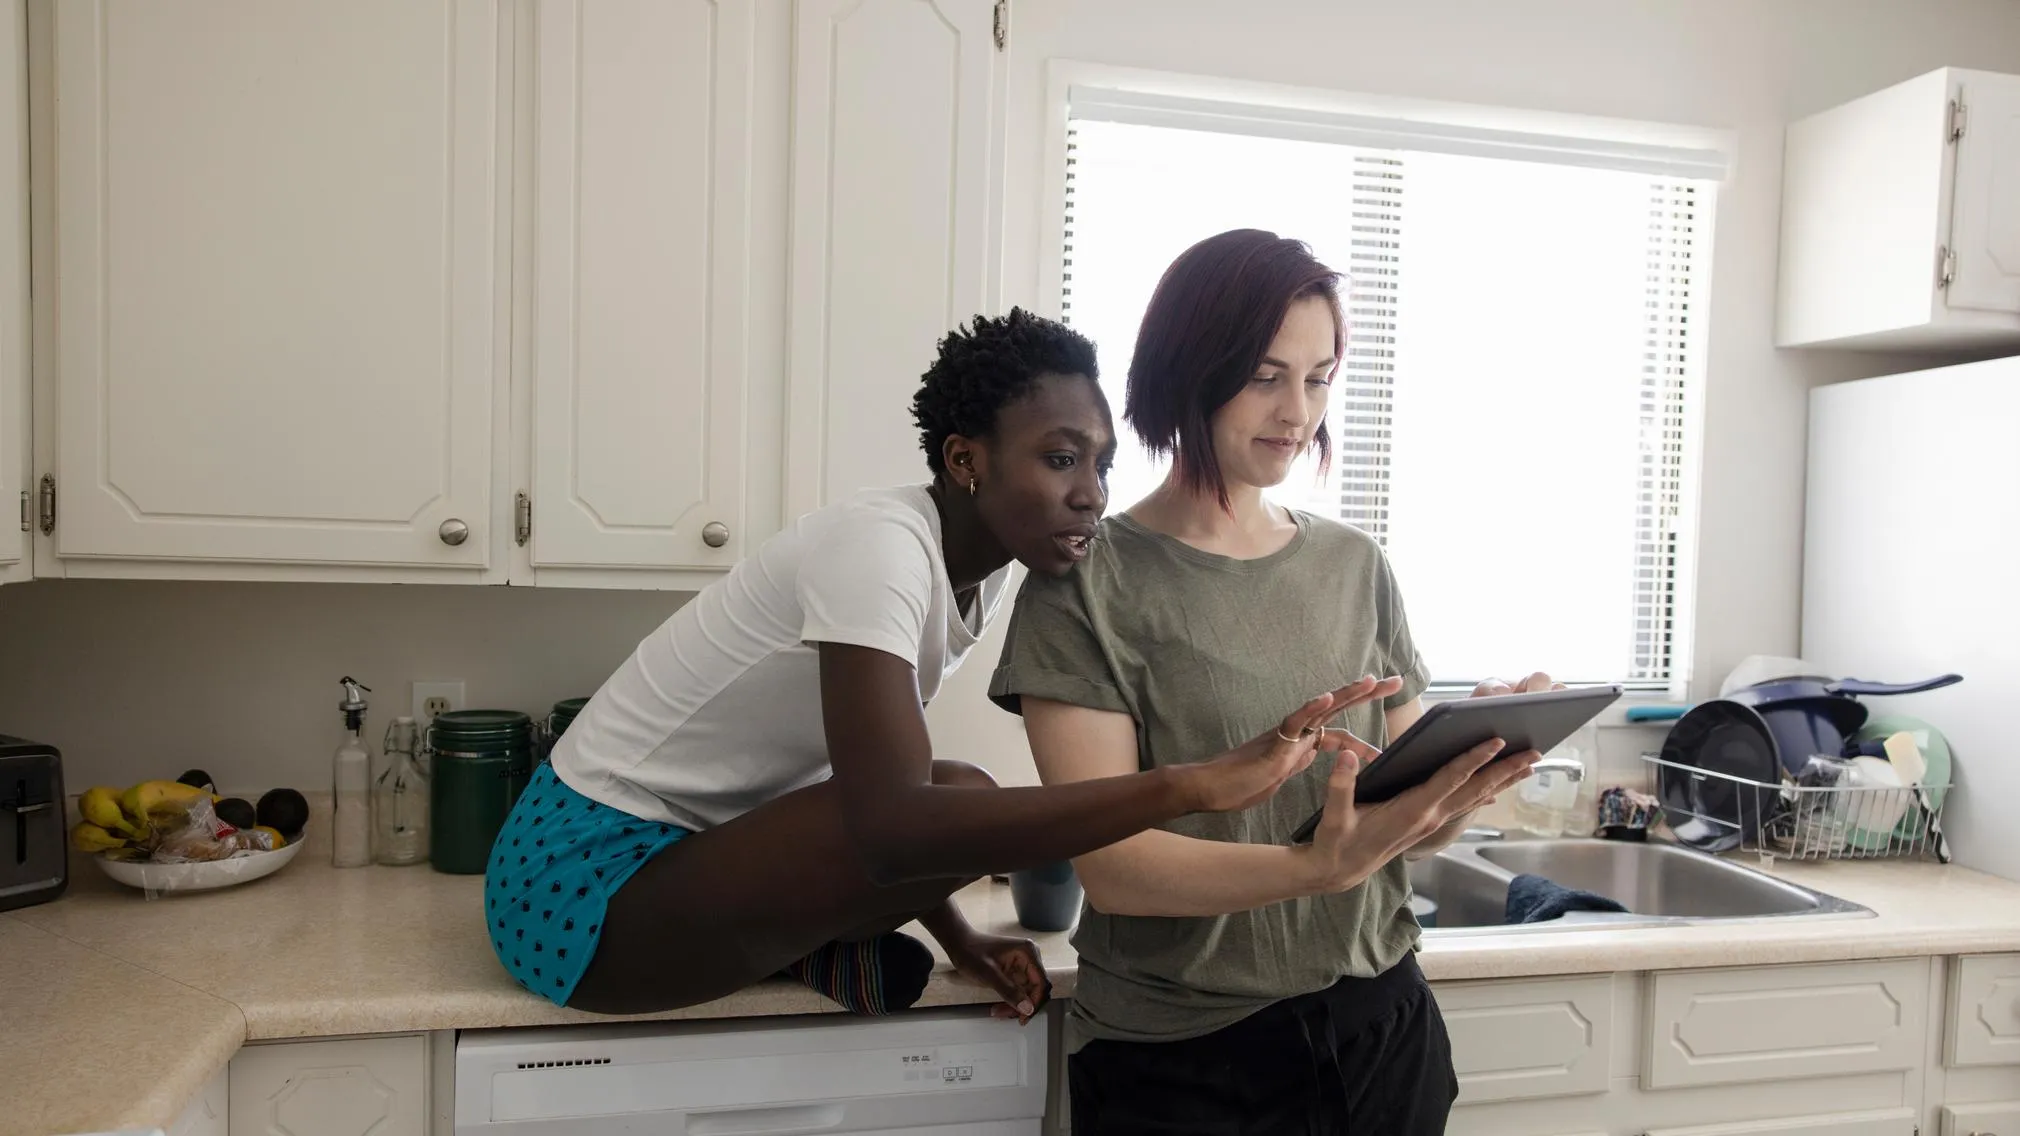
x,y
1572,768
1479,834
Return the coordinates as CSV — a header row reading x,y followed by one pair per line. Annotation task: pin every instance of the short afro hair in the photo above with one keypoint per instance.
x,y
985,367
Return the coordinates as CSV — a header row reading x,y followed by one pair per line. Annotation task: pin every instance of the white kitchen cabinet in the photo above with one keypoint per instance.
x,y
16,441
284,246
1981,1119
1896,1122
1731,1026
1899,226
1533,1038
209,1114
896,220
278,239
1984,1011
642,282
372,1086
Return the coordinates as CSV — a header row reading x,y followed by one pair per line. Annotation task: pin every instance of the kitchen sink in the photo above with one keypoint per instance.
x,y
1659,884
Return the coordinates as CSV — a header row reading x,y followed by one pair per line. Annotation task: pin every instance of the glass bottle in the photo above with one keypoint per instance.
x,y
351,784
400,798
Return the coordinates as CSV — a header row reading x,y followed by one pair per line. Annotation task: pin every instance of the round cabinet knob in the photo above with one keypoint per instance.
x,y
453,532
715,534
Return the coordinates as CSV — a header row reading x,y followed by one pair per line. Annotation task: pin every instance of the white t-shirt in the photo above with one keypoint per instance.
x,y
719,710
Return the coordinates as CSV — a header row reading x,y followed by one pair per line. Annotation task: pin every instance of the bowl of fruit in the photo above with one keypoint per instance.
x,y
182,836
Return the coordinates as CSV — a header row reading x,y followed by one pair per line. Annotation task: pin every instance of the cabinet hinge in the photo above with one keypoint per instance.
x,y
1002,24
24,510
48,505
522,518
1946,266
1958,115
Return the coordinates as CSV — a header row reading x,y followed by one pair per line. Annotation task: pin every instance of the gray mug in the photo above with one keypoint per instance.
x,y
1047,897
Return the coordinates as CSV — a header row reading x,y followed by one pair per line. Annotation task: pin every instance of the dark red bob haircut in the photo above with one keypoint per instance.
x,y
1208,326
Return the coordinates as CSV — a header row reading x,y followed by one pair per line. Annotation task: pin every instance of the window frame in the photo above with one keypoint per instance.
x,y
1306,113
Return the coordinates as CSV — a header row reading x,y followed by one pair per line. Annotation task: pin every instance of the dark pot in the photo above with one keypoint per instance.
x,y
1047,897
1806,726
1812,715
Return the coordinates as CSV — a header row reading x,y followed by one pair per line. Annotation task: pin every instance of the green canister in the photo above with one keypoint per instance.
x,y
479,761
558,719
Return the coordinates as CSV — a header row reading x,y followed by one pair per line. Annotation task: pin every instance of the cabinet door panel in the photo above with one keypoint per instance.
x,y
1985,223
1718,1027
1898,1123
1512,1040
1981,1119
276,226
1984,1014
641,292
896,126
17,512
372,1086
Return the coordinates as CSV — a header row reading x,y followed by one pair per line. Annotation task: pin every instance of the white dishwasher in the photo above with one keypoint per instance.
x,y
924,1073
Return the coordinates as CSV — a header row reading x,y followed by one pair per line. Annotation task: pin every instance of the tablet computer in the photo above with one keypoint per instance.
x,y
1536,721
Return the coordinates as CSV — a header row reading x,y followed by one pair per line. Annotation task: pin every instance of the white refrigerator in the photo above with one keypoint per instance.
x,y
1911,568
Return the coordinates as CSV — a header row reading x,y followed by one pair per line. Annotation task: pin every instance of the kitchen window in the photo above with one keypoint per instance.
x,y
1514,418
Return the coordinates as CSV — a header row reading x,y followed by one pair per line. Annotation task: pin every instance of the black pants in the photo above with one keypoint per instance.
x,y
1365,1057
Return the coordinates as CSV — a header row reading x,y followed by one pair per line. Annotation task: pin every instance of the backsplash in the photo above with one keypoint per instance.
x,y
139,679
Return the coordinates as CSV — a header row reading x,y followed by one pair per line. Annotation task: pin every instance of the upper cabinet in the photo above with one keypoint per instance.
x,y
277,251
896,216
18,501
1899,223
641,282
582,293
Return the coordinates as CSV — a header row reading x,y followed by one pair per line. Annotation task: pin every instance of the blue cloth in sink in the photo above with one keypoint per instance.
x,y
1533,899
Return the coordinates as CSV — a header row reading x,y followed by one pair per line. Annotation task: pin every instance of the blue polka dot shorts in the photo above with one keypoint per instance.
x,y
556,863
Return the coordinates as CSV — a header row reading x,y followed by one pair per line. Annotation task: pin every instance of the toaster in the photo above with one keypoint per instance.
x,y
34,856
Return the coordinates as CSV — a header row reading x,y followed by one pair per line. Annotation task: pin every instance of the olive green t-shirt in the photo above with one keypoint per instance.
x,y
1205,652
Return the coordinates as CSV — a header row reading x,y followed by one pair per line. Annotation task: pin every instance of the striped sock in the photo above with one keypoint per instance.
x,y
875,976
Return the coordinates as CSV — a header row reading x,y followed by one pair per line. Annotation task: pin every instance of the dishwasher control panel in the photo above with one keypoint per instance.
x,y
829,1073
957,1065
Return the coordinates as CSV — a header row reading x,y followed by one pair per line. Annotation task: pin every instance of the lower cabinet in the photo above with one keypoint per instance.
x,y
369,1086
1836,1048
1529,1038
1899,1122
1981,1119
1984,1020
1892,1047
1728,1026
210,1113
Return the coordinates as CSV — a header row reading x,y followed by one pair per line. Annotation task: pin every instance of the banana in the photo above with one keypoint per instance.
x,y
100,806
89,837
149,797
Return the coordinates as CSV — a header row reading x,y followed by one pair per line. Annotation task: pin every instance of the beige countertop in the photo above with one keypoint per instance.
x,y
118,1008
128,1005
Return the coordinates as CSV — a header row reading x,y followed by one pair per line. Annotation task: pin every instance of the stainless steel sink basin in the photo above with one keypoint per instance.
x,y
1659,884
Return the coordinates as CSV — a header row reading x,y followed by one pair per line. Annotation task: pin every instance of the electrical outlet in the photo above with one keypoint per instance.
x,y
433,698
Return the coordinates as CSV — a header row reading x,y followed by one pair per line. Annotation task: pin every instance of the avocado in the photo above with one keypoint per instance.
x,y
284,810
237,812
197,779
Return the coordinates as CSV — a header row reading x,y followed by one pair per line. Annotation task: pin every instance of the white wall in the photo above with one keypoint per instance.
x,y
133,678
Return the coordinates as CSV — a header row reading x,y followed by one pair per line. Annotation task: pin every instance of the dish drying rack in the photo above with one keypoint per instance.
x,y
1817,822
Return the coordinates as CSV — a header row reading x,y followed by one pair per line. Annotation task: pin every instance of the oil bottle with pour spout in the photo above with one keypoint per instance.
x,y
351,784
